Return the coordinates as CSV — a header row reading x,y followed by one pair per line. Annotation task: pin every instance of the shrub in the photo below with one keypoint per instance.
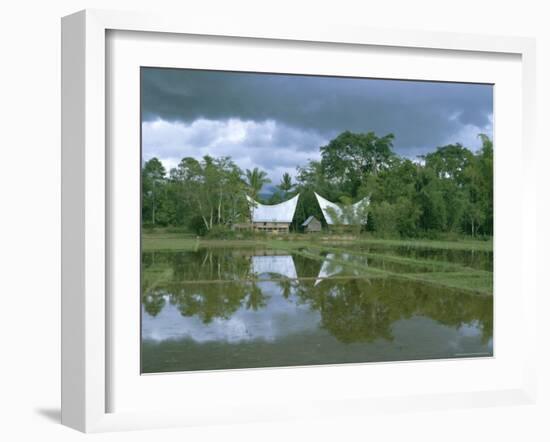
x,y
384,219
399,219
245,234
197,225
177,229
147,227
221,232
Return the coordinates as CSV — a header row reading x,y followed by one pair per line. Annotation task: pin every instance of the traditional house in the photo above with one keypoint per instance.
x,y
335,216
275,218
311,224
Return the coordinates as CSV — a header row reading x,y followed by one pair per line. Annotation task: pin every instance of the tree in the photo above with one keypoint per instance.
x,y
479,190
396,219
286,184
350,158
213,190
431,201
255,179
450,162
153,181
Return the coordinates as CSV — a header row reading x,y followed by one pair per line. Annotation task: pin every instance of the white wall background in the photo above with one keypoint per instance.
x,y
30,216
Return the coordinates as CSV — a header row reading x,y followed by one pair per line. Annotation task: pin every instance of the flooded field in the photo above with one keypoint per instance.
x,y
262,306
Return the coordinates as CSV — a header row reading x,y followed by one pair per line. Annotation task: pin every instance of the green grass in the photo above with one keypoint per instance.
x,y
365,239
175,242
478,282
476,245
179,241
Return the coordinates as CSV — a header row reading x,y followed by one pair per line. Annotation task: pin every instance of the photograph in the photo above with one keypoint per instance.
x,y
302,220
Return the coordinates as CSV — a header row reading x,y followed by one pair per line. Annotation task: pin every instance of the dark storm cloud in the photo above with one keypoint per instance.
x,y
422,115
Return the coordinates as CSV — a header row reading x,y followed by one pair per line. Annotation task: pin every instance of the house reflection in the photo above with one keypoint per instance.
x,y
334,265
273,265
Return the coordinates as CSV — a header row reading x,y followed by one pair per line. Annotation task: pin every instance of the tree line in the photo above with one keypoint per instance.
x,y
449,190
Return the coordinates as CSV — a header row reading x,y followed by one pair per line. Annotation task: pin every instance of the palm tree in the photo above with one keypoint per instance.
x,y
255,179
286,183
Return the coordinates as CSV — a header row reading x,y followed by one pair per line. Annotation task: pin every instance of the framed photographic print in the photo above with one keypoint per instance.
x,y
244,264
252,212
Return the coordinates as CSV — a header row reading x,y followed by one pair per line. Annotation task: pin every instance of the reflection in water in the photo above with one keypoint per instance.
x,y
352,310
277,317
332,266
481,260
274,266
275,310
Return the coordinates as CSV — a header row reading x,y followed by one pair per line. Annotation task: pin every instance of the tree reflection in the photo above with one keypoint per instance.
x,y
208,265
351,309
209,301
255,298
351,314
286,286
356,311
154,302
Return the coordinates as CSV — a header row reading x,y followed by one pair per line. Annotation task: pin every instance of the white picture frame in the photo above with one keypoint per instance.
x,y
86,206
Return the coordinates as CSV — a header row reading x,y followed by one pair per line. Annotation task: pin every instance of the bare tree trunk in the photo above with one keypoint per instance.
x,y
202,216
153,202
220,209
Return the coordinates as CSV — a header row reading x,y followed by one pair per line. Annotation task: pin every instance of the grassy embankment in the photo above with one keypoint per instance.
x,y
181,241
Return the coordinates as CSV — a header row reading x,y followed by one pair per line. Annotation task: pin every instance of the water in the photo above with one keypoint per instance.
x,y
482,260
244,308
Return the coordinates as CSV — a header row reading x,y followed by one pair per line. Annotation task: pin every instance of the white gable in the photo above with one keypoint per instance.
x,y
276,213
326,204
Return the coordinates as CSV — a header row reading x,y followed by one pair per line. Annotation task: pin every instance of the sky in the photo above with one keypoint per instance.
x,y
277,122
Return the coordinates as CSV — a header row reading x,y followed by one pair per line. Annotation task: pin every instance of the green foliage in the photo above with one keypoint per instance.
x,y
221,232
214,189
447,192
153,193
286,184
450,162
399,219
255,180
177,229
196,224
350,158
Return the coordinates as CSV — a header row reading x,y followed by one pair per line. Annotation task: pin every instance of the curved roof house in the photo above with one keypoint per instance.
x,y
326,205
275,217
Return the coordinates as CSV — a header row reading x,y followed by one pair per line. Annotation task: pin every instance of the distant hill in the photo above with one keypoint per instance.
x,y
267,191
